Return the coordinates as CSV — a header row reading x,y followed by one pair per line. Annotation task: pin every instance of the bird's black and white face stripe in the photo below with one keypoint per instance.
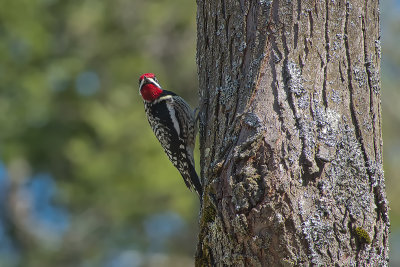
x,y
147,80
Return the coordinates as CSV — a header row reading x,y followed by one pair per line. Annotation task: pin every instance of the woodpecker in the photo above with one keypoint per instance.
x,y
173,123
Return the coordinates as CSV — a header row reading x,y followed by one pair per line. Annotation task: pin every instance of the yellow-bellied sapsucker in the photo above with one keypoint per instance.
x,y
173,123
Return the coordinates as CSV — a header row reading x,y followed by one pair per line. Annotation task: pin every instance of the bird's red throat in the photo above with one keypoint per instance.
x,y
150,92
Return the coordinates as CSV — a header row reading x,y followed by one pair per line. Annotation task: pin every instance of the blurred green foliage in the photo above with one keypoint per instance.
x,y
390,105
69,106
390,26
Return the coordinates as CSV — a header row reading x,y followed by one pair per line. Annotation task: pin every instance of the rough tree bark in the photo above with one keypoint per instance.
x,y
290,134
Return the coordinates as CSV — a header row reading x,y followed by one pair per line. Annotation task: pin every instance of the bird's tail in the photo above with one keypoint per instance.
x,y
195,181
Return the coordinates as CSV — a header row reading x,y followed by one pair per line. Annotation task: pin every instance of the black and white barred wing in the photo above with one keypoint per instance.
x,y
186,120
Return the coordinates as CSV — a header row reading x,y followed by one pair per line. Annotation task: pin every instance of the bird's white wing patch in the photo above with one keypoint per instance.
x,y
163,98
173,116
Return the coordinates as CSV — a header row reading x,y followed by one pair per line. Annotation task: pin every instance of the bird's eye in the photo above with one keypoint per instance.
x,y
155,79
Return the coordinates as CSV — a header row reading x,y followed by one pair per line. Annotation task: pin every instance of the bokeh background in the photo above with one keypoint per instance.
x,y
83,181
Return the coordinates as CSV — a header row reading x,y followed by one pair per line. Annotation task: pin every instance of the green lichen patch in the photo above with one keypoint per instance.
x,y
362,235
209,214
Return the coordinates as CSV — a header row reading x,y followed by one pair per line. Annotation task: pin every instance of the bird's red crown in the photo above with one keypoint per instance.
x,y
146,75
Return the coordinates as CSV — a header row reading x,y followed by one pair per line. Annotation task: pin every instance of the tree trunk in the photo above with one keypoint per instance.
x,y
290,134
